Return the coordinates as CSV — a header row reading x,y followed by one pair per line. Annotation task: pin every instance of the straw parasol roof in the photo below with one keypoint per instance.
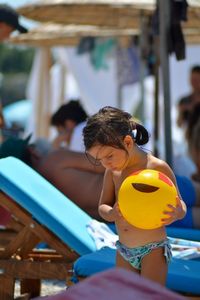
x,y
104,18
55,34
120,13
93,12
192,35
50,34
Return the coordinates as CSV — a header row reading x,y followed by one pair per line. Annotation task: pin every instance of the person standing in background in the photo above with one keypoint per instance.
x,y
9,22
183,162
193,140
186,103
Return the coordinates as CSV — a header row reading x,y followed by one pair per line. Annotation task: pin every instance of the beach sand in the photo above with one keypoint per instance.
x,y
49,287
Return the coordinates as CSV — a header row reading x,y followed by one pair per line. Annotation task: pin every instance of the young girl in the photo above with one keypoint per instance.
x,y
112,138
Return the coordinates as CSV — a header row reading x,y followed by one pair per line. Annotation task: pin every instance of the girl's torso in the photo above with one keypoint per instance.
x,y
128,234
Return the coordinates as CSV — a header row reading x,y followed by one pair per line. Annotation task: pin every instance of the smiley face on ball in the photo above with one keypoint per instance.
x,y
144,195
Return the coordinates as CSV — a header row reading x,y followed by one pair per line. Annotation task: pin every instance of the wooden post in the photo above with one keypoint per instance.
x,y
7,285
164,21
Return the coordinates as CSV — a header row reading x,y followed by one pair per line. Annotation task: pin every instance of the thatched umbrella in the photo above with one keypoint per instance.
x,y
113,13
56,34
119,14
50,34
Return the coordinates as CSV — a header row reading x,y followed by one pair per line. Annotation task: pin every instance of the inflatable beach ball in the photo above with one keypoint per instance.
x,y
144,195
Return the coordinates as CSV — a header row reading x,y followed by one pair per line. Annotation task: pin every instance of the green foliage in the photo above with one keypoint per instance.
x,y
13,88
15,59
15,66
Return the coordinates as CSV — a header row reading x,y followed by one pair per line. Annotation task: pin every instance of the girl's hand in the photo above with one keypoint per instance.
x,y
115,212
175,213
117,215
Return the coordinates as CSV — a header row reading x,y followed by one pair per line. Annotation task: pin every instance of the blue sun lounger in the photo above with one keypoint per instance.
x,y
46,215
183,275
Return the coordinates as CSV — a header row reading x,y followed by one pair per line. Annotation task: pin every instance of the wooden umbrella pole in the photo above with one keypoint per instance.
x,y
164,21
156,111
142,38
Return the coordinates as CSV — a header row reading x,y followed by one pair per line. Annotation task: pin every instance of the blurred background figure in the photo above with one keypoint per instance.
x,y
69,121
187,103
193,140
9,22
185,161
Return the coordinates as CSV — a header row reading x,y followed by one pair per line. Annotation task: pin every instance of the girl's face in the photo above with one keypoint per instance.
x,y
111,158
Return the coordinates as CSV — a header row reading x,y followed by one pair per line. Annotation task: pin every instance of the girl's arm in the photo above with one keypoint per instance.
x,y
107,199
176,212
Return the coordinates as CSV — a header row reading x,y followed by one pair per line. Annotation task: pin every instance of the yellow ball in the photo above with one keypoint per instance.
x,y
144,195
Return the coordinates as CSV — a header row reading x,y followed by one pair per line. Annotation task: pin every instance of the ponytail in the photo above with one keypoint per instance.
x,y
139,133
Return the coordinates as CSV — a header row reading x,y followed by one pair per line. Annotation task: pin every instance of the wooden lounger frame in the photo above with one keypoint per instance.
x,y
20,259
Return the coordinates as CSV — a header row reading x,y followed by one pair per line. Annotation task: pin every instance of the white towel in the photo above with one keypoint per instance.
x,y
102,235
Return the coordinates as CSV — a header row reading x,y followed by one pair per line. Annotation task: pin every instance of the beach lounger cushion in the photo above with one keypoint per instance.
x,y
47,204
184,233
176,232
183,275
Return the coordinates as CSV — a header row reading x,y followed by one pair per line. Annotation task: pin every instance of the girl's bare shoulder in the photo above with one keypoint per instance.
x,y
155,163
160,165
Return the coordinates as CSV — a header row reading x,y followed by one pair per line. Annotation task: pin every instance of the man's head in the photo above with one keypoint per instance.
x,y
195,78
9,21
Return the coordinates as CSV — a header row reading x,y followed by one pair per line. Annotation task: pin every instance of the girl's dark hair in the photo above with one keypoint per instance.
x,y
109,126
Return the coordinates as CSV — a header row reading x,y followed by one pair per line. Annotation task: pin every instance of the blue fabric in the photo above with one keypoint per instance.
x,y
46,204
184,233
183,275
186,222
95,262
188,194
187,190
112,227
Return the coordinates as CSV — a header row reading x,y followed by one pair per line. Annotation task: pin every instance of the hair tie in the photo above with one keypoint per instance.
x,y
134,133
